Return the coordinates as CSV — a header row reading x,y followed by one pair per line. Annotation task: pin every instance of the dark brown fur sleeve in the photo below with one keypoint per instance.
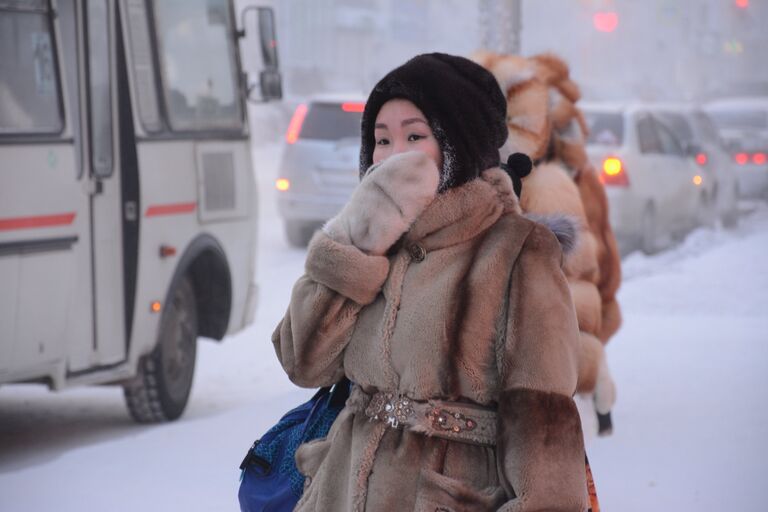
x,y
540,443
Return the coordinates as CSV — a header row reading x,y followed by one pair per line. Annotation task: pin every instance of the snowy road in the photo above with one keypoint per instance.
x,y
691,422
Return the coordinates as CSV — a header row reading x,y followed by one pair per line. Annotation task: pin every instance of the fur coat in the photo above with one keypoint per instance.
x,y
545,123
470,305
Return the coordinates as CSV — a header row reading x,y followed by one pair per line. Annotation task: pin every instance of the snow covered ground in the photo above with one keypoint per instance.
x,y
691,421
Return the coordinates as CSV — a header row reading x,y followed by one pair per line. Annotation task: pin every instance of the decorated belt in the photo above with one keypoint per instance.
x,y
456,421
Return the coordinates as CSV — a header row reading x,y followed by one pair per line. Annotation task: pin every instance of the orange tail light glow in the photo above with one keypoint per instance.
x,y
294,127
698,180
282,184
613,172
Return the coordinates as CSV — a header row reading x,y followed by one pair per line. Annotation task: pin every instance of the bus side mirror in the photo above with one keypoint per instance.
x,y
260,55
270,86
268,37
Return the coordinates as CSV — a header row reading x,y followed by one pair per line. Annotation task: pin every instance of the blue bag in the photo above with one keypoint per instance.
x,y
270,480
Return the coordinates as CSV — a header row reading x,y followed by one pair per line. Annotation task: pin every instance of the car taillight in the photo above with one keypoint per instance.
x,y
759,158
294,127
353,107
282,184
614,173
741,158
701,158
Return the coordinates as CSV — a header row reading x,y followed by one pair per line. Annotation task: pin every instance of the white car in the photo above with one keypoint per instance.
x,y
655,191
743,124
703,144
320,163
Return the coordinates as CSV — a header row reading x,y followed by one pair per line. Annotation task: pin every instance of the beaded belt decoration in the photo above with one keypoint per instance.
x,y
450,420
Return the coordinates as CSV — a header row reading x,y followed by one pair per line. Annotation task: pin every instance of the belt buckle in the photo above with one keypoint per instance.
x,y
390,409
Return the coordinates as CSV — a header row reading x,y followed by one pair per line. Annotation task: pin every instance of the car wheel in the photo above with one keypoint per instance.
x,y
731,217
161,389
705,211
648,234
298,233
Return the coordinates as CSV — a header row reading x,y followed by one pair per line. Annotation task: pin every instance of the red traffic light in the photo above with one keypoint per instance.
x,y
605,21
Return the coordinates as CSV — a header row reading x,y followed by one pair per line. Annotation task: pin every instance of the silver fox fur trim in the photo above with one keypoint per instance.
x,y
564,227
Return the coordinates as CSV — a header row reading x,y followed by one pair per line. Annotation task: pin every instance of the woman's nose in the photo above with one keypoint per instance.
x,y
399,147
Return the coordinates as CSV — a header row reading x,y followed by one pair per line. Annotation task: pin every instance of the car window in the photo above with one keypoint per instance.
x,y
605,128
329,121
646,135
707,131
669,143
740,119
678,124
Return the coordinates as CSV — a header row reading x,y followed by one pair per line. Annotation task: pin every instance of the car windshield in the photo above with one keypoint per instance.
x,y
329,121
605,128
740,119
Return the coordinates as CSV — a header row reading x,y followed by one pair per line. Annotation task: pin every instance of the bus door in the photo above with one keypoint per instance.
x,y
45,246
101,169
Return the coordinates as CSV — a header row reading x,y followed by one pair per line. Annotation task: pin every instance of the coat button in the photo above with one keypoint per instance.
x,y
418,253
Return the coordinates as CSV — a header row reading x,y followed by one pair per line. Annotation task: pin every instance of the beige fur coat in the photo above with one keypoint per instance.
x,y
471,305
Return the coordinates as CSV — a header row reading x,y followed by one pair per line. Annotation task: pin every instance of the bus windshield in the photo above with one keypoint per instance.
x,y
198,65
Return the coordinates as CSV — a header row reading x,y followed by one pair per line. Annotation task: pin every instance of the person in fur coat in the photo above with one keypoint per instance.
x,y
449,311
544,122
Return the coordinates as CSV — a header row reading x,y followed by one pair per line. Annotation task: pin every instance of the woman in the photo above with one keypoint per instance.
x,y
449,311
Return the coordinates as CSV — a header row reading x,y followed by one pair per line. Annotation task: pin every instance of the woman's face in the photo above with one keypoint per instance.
x,y
400,127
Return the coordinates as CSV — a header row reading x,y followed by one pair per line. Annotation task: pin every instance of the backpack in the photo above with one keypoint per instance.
x,y
269,480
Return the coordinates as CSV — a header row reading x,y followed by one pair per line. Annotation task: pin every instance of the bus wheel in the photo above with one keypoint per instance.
x,y
161,389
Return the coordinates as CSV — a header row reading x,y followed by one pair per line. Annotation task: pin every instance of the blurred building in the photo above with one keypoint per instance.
x,y
347,45
617,49
654,49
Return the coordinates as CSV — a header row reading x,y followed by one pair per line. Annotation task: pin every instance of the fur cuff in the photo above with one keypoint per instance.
x,y
345,269
542,451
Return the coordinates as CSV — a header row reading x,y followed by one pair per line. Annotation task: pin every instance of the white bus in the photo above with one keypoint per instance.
x,y
127,199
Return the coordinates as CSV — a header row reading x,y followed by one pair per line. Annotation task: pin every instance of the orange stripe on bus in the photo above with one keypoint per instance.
x,y
170,209
38,221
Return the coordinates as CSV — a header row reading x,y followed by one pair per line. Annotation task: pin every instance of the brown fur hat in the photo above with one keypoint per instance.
x,y
463,104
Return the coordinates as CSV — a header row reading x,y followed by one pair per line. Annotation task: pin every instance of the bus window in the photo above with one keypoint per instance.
x,y
197,62
99,88
143,69
29,88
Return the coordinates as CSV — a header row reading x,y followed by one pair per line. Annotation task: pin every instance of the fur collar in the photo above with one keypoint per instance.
x,y
460,213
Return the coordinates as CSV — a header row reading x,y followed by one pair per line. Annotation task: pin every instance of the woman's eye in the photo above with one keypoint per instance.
x,y
382,142
414,137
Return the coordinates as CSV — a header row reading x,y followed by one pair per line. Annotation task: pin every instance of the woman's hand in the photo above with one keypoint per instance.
x,y
390,197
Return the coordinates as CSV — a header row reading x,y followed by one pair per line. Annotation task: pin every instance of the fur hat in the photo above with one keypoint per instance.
x,y
464,107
